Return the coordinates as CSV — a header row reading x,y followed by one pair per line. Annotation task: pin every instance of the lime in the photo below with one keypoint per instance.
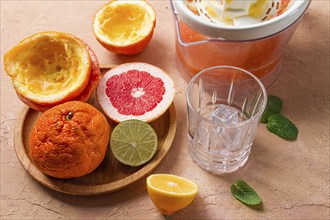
x,y
133,142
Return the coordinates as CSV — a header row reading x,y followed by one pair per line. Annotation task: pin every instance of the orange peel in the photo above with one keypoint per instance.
x,y
124,27
49,68
94,79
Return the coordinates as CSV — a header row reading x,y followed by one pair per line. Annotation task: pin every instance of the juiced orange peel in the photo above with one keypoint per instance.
x,y
48,68
84,96
124,27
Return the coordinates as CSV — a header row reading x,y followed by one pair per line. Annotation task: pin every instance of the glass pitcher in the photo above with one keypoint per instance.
x,y
257,48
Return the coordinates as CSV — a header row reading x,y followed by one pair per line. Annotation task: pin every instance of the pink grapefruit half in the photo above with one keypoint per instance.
x,y
135,91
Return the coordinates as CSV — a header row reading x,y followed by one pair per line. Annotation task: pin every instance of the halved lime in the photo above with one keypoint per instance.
x,y
133,142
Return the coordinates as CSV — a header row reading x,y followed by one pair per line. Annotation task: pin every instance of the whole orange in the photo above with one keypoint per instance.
x,y
69,140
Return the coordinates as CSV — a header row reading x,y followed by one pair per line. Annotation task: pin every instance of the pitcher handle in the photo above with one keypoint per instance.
x,y
177,28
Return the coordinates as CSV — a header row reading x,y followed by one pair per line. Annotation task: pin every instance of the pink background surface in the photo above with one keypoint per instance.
x,y
292,178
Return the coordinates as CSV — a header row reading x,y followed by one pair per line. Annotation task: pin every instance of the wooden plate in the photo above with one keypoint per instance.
x,y
111,175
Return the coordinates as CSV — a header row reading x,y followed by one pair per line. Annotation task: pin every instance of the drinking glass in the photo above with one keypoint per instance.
x,y
224,105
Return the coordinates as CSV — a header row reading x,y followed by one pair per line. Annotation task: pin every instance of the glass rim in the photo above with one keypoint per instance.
x,y
249,120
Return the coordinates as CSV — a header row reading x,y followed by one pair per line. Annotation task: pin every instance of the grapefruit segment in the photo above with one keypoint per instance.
x,y
135,91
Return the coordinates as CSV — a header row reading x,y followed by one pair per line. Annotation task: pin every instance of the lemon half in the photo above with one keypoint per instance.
x,y
170,193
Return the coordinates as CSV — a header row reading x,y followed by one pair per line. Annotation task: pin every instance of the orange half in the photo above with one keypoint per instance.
x,y
125,27
49,67
94,79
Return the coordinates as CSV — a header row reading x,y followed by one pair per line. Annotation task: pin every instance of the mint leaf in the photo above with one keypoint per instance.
x,y
282,127
244,193
274,106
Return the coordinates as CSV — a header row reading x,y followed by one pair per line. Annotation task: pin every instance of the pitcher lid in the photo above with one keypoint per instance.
x,y
249,31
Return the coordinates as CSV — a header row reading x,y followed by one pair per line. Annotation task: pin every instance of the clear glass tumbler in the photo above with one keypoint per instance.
x,y
224,105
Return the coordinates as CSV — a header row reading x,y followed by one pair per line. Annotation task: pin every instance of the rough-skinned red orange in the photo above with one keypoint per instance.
x,y
69,140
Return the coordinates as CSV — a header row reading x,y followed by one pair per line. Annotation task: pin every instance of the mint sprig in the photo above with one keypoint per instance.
x,y
244,193
274,106
282,127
